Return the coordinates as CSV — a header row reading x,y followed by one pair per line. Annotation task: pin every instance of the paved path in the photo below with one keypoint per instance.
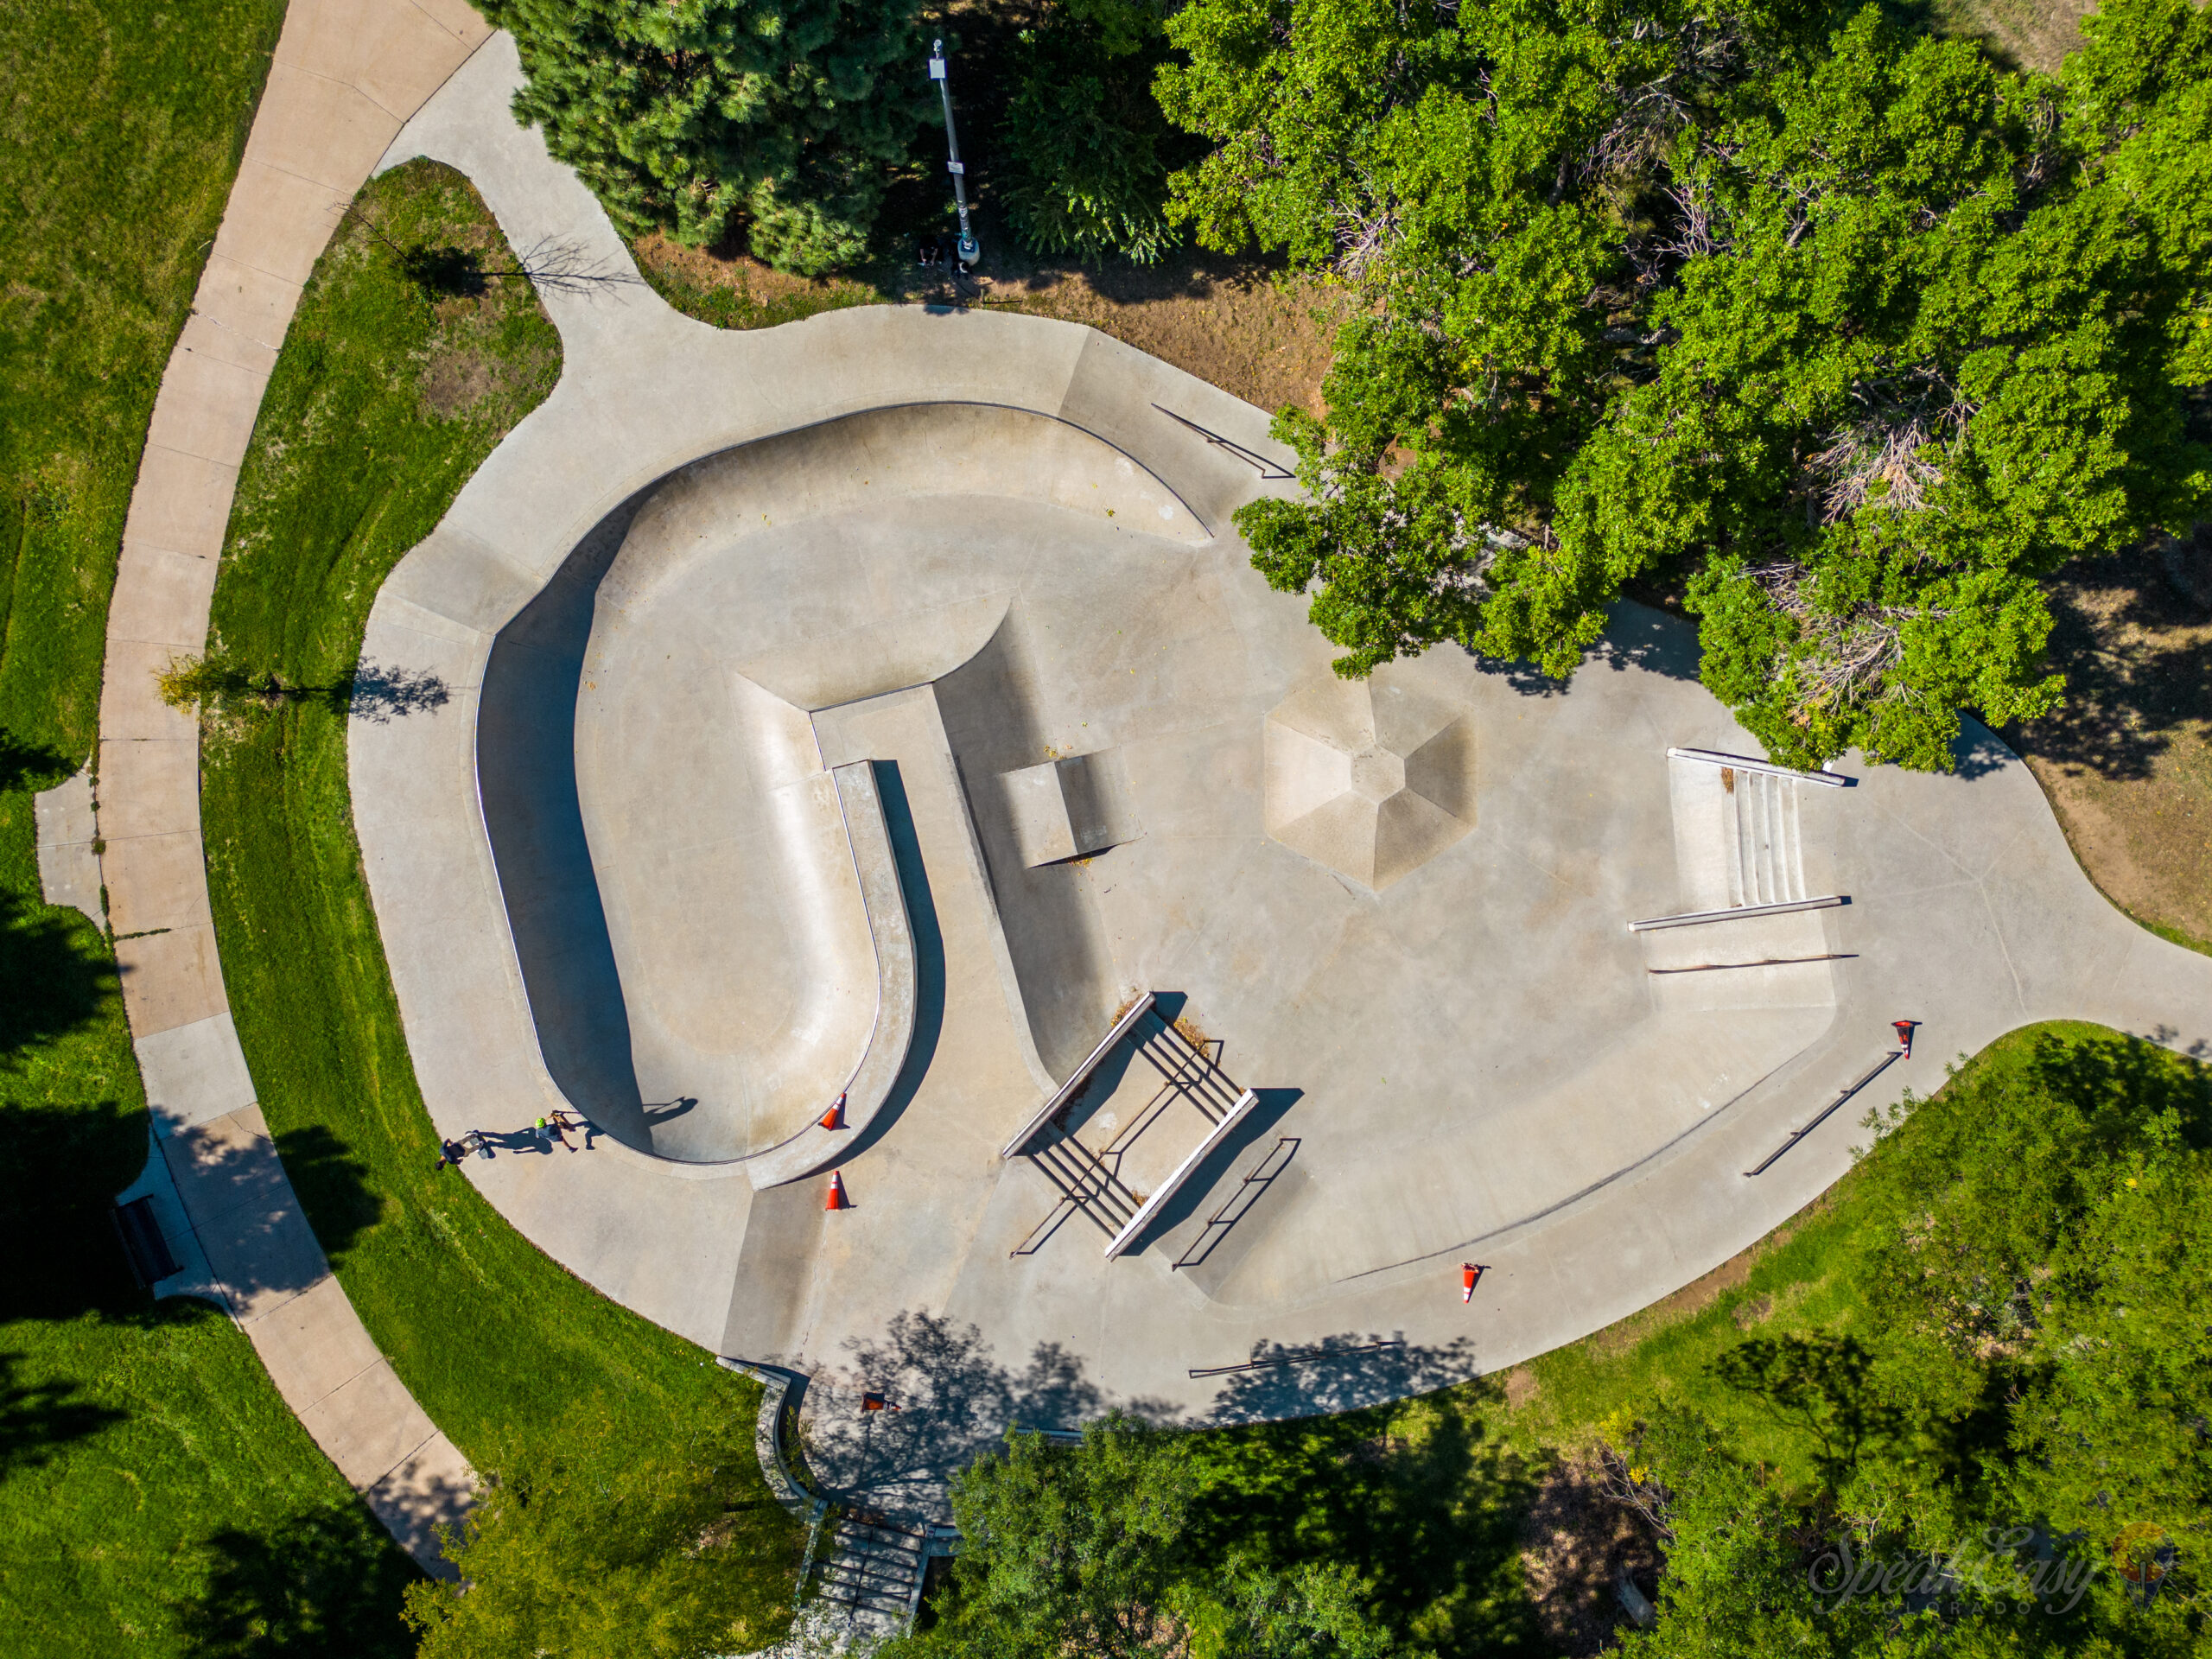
x,y
346,74
1967,911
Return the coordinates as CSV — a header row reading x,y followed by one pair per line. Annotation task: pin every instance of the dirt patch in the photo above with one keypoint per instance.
x,y
1258,332
1576,1542
455,382
2019,34
1520,1387
2127,763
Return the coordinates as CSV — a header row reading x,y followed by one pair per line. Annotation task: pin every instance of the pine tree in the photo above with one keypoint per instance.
x,y
684,115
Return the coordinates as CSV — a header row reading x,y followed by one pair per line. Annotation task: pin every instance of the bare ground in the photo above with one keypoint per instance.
x,y
1261,335
2127,763
1577,1540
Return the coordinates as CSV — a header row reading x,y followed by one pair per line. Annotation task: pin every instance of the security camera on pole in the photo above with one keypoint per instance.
x,y
969,250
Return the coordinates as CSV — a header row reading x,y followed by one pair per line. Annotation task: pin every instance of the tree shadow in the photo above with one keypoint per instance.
x,y
328,1582
948,1402
1347,1372
1821,1386
54,978
1422,1504
444,273
27,765
379,694
38,1419
59,1172
333,1186
2137,661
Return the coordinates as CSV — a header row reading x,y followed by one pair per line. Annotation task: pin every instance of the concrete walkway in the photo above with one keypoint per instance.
x,y
346,74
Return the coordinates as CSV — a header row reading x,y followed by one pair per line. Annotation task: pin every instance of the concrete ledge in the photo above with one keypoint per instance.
x,y
815,1148
1152,1207
1065,1092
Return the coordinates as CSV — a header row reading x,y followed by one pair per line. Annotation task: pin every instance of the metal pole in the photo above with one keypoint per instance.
x,y
969,250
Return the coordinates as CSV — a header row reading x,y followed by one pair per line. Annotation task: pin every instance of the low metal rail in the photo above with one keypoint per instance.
x,y
1823,1115
1699,917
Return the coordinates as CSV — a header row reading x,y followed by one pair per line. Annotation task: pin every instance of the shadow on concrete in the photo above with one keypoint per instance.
x,y
1432,1521
38,1419
526,776
950,1400
929,955
326,1582
1345,1372
1054,930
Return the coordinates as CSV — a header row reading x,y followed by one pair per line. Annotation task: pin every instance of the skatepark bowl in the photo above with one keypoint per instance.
x,y
903,757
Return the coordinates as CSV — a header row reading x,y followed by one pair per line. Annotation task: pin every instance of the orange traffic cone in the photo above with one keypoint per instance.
x,y
835,1117
1468,1274
837,1198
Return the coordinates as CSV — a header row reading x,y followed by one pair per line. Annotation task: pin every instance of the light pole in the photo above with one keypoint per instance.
x,y
969,250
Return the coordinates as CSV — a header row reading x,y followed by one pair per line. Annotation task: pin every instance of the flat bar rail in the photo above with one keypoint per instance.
x,y
1737,913
1296,1357
1153,1205
1065,1092
1742,763
1822,1116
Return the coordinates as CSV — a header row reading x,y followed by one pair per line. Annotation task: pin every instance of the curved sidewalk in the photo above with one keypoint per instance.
x,y
346,77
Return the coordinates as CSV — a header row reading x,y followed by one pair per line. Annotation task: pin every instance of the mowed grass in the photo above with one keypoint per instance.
x,y
156,1497
121,123
391,390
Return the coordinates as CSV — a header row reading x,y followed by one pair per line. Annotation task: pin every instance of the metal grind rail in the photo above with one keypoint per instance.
x,y
1296,1357
1823,1115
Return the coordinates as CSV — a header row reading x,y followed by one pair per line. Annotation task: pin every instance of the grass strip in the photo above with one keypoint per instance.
x,y
409,360
156,1497
123,125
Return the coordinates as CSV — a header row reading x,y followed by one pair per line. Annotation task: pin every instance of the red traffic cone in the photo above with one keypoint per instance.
x,y
1905,1035
835,1117
1468,1274
837,1199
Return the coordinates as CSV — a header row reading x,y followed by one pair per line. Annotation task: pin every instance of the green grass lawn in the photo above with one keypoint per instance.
x,y
404,368
156,1497
122,126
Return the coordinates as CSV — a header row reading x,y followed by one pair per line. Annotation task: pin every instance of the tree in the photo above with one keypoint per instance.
x,y
570,1552
1085,167
216,683
1083,1550
1855,338
687,116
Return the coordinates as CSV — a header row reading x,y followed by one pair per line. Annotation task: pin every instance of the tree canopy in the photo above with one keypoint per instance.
x,y
1844,331
557,1556
1086,1549
2014,1457
686,114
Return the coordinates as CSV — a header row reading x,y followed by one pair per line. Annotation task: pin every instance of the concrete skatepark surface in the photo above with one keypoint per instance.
x,y
722,587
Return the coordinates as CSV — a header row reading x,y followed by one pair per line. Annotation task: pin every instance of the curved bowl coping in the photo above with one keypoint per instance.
x,y
814,1148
